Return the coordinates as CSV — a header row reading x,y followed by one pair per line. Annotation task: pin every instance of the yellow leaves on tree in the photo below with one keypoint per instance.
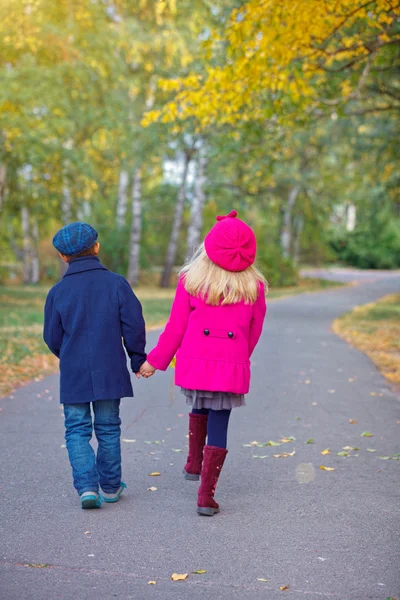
x,y
279,57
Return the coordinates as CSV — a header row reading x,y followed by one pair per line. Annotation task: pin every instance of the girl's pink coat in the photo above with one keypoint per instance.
x,y
214,362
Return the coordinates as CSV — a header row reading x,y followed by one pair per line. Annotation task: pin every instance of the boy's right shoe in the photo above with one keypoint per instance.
x,y
213,461
114,497
91,500
197,439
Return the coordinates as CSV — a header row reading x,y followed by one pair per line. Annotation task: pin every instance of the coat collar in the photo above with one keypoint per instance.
x,y
84,263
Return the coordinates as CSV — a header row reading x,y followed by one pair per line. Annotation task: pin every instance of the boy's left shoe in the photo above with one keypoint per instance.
x,y
115,496
91,500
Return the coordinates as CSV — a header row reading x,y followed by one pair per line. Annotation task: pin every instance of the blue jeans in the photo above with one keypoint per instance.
x,y
87,469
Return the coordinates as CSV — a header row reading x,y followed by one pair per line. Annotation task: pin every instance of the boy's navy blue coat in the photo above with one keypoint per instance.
x,y
86,316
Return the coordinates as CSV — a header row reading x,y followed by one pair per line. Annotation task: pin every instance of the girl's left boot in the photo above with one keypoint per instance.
x,y
213,461
197,439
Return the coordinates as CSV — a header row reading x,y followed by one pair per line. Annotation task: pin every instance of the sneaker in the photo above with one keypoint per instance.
x,y
114,496
91,500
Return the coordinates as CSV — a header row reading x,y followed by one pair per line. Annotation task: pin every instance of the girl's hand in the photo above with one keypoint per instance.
x,y
146,370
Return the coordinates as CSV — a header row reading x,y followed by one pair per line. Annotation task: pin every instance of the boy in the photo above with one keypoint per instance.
x,y
86,316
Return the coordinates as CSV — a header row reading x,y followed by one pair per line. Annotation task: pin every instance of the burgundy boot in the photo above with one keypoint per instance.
x,y
212,464
197,439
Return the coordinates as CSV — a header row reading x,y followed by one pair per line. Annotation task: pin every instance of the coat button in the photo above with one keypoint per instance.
x,y
206,332
230,334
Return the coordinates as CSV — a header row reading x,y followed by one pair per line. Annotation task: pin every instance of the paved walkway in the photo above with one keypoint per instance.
x,y
325,534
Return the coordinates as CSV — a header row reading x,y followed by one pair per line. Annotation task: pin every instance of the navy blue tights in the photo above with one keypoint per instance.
x,y
217,425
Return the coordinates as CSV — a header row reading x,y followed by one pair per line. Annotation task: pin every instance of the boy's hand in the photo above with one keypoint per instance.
x,y
146,370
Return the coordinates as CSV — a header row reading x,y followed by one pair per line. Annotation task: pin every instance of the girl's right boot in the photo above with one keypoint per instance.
x,y
197,439
213,461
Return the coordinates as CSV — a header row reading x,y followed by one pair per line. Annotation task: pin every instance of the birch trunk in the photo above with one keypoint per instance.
x,y
35,273
3,179
122,201
26,246
286,231
136,229
66,205
299,225
196,213
176,226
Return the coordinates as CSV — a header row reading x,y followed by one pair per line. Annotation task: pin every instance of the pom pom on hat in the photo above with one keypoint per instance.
x,y
231,243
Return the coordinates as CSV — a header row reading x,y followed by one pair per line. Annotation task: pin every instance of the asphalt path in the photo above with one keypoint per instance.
x,y
324,534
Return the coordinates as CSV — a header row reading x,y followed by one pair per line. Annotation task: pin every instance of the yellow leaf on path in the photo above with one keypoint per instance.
x,y
128,441
284,454
262,579
352,421
327,468
179,577
152,582
326,451
284,587
366,434
152,489
349,448
154,474
199,572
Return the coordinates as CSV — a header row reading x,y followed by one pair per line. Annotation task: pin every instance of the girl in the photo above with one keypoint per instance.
x,y
215,323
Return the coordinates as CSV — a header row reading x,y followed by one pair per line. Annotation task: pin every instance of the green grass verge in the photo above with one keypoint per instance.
x,y
375,329
23,354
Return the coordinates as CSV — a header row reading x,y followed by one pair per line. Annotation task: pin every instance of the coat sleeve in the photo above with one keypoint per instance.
x,y
133,327
257,322
171,339
53,331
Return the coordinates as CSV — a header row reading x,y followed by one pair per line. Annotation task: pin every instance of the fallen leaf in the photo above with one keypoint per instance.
x,y
286,440
262,579
151,582
366,434
284,454
271,443
314,404
91,555
152,489
199,572
87,532
181,415
37,565
385,457
284,587
63,446
321,558
310,441
298,418
327,468
247,445
351,379
352,421
254,443
169,428
177,450
331,391
349,448
128,441
371,450
373,394
256,456
179,577
307,382
342,453
325,452
154,474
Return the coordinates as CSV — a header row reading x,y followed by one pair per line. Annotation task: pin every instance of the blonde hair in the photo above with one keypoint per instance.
x,y
203,278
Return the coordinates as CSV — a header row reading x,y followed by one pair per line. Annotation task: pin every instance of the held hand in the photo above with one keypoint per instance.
x,y
146,370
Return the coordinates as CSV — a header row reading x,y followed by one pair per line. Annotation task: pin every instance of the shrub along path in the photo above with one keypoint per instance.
x,y
286,525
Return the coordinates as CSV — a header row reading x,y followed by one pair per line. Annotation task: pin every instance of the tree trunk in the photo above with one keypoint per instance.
x,y
66,205
286,231
176,226
298,227
26,245
196,213
35,274
351,215
136,229
3,179
122,200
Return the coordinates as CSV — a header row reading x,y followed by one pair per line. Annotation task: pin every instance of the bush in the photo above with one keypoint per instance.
x,y
373,245
279,271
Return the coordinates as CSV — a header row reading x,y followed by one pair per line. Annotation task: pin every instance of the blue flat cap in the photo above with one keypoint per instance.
x,y
74,238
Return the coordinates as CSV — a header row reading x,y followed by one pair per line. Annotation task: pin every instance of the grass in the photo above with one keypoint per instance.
x,y
23,354
375,330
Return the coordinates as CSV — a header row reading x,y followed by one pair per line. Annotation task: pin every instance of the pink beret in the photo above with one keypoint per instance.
x,y
231,243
